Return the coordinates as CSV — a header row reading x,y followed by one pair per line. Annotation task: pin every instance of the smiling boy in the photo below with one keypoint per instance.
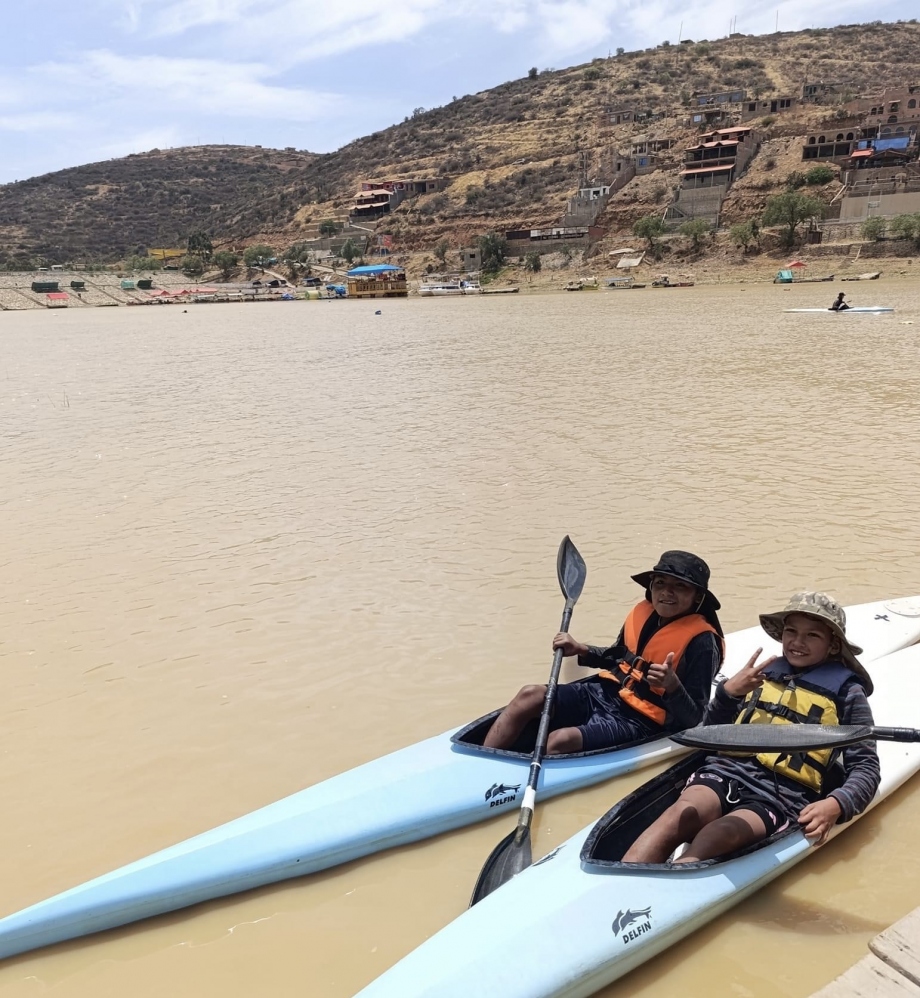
x,y
729,802
656,678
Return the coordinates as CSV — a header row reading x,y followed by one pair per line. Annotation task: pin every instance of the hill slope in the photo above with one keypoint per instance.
x,y
514,153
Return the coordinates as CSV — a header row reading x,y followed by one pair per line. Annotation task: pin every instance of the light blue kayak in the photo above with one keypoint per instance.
x,y
579,918
433,786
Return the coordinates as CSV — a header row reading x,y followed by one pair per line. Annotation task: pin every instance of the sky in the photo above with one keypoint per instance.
x,y
98,79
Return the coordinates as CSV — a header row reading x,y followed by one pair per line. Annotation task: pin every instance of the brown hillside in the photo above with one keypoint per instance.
x,y
514,154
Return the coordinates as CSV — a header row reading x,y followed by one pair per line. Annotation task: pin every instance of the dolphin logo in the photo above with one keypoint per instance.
x,y
500,789
627,917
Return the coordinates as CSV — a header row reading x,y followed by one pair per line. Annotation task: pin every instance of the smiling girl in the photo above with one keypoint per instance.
x,y
730,802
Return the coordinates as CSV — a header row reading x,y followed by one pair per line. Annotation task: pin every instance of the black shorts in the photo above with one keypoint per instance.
x,y
602,722
735,796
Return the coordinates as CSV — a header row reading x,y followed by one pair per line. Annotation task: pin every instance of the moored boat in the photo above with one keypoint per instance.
x,y
665,282
622,284
579,918
457,286
439,784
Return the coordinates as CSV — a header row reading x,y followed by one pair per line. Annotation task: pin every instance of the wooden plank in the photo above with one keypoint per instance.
x,y
899,946
870,978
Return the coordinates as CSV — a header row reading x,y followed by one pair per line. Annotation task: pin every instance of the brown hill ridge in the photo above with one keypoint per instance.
x,y
511,156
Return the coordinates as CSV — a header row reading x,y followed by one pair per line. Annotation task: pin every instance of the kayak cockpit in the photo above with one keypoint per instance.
x,y
616,831
473,734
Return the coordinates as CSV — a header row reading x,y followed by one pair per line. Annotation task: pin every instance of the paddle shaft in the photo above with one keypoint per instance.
x,y
536,764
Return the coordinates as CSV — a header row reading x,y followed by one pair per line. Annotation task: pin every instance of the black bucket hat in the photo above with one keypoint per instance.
x,y
688,568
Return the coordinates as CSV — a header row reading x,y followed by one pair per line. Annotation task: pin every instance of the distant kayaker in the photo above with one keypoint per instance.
x,y
839,304
656,678
730,802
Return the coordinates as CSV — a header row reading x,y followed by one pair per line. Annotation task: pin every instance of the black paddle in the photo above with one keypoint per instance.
x,y
787,737
513,853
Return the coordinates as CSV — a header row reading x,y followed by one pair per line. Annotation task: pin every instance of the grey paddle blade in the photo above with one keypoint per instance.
x,y
571,570
772,737
507,860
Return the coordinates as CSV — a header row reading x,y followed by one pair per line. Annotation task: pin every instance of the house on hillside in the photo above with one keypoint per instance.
x,y
821,92
771,105
837,146
874,154
622,116
718,159
409,188
375,202
893,106
721,97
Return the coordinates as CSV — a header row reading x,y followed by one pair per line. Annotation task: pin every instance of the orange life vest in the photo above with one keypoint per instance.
x,y
635,689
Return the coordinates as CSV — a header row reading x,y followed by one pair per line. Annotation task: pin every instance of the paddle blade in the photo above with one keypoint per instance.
x,y
571,570
772,737
507,860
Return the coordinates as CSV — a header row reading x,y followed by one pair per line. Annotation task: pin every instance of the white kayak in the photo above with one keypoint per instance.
x,y
578,918
844,311
436,785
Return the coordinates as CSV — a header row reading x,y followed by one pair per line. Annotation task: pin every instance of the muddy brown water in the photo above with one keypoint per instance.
x,y
247,547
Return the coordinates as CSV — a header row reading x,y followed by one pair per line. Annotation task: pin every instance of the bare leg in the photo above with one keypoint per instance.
x,y
509,724
731,832
696,807
564,740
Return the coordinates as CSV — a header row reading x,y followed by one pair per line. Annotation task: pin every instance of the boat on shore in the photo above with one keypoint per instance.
x,y
787,277
871,276
500,291
580,918
582,284
436,785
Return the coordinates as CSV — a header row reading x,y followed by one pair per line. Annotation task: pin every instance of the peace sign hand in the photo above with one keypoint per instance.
x,y
748,678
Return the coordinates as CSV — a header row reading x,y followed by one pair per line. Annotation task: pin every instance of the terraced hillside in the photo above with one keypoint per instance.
x,y
513,154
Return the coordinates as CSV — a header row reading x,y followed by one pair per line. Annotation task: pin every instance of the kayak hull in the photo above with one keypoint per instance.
x,y
853,309
600,922
431,787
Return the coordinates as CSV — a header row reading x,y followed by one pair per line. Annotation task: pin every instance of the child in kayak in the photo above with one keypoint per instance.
x,y
656,678
840,304
731,802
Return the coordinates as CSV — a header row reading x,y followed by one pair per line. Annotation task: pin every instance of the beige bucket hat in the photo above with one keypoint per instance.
x,y
826,609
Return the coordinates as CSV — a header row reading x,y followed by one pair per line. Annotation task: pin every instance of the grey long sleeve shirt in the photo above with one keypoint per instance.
x,y
860,761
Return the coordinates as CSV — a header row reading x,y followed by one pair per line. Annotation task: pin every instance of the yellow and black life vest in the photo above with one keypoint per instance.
x,y
635,690
795,696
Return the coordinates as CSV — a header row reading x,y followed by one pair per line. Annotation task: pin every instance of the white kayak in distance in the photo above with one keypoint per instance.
x,y
579,919
435,785
845,311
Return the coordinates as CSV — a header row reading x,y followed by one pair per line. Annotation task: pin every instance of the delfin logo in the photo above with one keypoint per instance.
x,y
627,917
882,616
501,789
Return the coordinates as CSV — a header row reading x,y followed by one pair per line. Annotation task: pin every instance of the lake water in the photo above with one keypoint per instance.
x,y
247,547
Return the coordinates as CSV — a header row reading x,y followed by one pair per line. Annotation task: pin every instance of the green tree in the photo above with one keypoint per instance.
x,y
696,229
649,228
299,256
199,244
492,251
148,263
350,251
441,249
192,265
328,227
532,73
873,228
226,260
743,234
819,175
258,255
906,227
789,210
532,262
